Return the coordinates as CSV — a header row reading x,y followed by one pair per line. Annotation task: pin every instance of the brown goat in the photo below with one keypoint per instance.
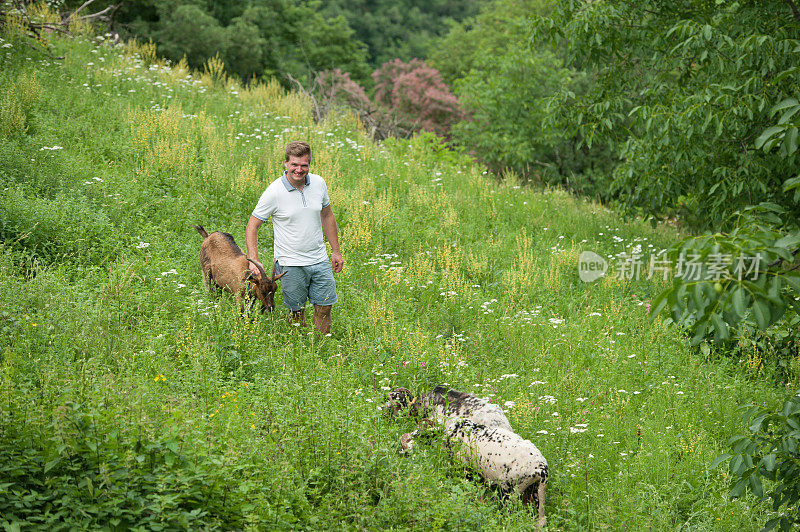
x,y
226,266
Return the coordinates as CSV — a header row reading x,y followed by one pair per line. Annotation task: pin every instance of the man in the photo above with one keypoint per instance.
x,y
301,212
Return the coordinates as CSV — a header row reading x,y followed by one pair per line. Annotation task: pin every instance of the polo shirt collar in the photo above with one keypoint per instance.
x,y
288,185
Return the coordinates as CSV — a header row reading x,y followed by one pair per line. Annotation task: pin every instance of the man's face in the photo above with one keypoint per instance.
x,y
297,168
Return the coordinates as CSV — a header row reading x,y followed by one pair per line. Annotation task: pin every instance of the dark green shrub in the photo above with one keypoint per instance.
x,y
770,451
62,228
81,476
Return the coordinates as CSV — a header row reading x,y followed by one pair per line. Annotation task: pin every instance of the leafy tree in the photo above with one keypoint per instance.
x,y
506,98
499,24
401,29
769,451
746,276
261,38
325,44
191,31
688,94
505,90
681,91
247,51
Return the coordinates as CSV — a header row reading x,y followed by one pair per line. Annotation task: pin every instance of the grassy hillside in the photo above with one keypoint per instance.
x,y
129,397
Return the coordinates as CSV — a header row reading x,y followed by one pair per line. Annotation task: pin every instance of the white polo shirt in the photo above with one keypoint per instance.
x,y
296,221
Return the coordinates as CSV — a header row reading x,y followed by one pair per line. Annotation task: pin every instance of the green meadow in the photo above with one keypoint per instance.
x,y
130,398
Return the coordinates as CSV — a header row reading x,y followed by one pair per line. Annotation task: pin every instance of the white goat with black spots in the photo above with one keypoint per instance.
x,y
480,436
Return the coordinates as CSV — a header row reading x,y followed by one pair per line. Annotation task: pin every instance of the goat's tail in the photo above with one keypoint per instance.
x,y
202,231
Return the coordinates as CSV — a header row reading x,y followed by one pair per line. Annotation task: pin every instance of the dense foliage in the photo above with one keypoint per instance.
x,y
682,91
256,39
769,452
698,100
264,38
400,29
505,89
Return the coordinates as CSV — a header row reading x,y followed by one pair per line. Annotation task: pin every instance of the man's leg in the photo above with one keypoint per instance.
x,y
322,318
298,316
294,290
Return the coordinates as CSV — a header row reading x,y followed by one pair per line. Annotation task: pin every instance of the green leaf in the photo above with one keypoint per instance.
x,y
738,489
758,423
769,462
772,523
790,142
767,134
761,313
51,464
789,102
793,280
791,183
700,333
658,304
785,117
719,459
737,465
755,485
739,297
788,241
720,327
697,296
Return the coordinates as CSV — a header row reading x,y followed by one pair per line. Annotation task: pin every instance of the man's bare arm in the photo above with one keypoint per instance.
x,y
251,238
332,234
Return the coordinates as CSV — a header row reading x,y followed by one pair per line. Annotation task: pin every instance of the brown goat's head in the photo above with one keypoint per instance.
x,y
263,288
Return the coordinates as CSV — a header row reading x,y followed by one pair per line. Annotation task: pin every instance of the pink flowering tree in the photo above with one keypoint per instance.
x,y
335,88
416,95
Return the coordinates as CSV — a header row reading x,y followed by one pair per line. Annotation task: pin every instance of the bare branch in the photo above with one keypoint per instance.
x,y
102,14
86,3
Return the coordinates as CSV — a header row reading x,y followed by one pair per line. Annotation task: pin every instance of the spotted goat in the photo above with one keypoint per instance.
x,y
479,435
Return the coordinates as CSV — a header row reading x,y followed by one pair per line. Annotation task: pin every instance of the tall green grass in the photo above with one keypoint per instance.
x,y
132,398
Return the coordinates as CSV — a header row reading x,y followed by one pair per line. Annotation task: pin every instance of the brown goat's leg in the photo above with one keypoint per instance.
x,y
322,318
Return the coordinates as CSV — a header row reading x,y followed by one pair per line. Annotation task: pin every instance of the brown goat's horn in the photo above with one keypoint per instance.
x,y
274,278
260,269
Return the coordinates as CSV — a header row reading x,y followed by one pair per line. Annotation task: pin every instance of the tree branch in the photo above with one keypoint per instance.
x,y
86,3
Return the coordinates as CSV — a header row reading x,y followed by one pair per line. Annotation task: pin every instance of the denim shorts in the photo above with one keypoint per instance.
x,y
301,283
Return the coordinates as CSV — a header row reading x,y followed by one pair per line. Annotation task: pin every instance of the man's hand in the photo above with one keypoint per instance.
x,y
337,262
254,269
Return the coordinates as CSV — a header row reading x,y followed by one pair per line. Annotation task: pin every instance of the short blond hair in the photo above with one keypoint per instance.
x,y
298,148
